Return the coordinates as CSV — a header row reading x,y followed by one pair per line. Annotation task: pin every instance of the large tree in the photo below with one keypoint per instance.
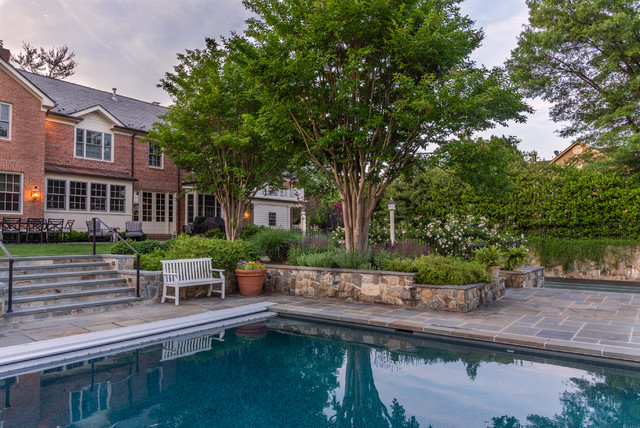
x,y
369,84
584,57
213,131
55,62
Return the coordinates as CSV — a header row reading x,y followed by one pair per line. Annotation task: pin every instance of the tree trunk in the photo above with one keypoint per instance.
x,y
233,211
357,209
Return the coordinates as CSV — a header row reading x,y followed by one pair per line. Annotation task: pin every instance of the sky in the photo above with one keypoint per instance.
x,y
131,44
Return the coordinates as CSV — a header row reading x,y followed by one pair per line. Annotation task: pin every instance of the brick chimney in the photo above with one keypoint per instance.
x,y
5,54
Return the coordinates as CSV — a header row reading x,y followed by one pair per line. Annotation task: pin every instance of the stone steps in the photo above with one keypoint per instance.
x,y
46,287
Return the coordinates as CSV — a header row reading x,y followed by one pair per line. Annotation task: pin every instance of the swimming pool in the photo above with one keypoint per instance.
x,y
285,373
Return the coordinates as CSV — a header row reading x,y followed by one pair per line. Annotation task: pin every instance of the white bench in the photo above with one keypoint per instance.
x,y
187,273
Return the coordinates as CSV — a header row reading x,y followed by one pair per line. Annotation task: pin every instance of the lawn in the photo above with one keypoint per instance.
x,y
82,248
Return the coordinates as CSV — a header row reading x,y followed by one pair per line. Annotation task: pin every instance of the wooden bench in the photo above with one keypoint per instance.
x,y
187,273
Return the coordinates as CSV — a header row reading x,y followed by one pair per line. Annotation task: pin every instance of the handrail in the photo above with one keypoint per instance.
x,y
126,243
11,260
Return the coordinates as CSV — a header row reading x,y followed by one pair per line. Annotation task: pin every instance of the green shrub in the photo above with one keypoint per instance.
x,y
382,258
224,254
354,259
214,233
516,256
439,270
331,259
75,236
152,261
325,259
273,243
442,270
143,247
251,229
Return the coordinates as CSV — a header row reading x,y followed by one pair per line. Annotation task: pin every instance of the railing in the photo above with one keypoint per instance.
x,y
11,260
96,221
286,193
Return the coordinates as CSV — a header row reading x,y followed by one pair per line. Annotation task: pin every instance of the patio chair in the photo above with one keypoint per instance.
x,y
55,226
134,229
68,227
36,226
11,226
99,232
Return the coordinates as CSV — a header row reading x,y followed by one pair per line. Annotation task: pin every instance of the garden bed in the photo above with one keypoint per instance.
x,y
383,287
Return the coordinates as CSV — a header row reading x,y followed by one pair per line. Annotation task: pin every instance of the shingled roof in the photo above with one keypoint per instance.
x,y
71,98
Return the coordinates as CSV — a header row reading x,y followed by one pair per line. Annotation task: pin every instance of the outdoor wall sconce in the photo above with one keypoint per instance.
x,y
246,214
35,193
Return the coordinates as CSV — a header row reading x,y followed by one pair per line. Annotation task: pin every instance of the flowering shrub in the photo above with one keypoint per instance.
x,y
250,265
448,237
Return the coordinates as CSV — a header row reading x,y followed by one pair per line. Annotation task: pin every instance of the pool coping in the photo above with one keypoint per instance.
x,y
36,355
610,353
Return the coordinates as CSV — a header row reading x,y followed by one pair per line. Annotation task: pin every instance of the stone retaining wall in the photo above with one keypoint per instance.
x,y
151,286
390,288
532,276
623,267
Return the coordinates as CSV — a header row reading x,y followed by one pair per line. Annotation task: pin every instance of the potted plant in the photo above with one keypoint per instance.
x,y
250,277
491,258
516,258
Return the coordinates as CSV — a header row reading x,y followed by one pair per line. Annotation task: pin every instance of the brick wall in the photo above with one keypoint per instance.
x,y
165,179
25,152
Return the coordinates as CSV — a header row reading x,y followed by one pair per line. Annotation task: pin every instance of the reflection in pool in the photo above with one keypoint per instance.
x,y
285,373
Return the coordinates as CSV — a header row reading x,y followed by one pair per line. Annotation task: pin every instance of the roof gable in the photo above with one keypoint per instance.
x,y
47,103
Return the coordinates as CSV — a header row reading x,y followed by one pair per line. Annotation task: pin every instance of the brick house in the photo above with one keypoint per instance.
x,y
73,152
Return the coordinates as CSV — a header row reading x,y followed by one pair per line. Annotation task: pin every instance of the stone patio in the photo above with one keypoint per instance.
x,y
600,324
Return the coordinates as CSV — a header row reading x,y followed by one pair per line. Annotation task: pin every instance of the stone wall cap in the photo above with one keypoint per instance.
x,y
527,269
142,272
457,287
115,256
365,272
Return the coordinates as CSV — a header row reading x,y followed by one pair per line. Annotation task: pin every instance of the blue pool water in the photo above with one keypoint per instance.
x,y
289,373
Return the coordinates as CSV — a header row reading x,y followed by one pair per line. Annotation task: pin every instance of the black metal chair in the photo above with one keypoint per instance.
x,y
68,227
55,226
36,226
134,229
11,226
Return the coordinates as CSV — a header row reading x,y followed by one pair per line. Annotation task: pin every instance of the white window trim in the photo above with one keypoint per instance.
x,y
66,195
12,213
84,143
8,137
161,158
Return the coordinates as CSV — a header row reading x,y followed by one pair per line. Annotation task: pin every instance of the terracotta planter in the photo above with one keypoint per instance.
x,y
251,281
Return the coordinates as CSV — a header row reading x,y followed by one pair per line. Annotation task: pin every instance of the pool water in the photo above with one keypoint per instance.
x,y
290,373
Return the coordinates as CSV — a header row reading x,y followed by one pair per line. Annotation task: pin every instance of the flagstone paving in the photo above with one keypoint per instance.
x,y
600,324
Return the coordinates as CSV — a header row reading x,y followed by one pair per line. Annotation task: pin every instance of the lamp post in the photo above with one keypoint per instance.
x,y
392,209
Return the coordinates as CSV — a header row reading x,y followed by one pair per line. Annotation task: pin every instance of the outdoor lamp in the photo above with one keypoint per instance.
x,y
35,193
392,208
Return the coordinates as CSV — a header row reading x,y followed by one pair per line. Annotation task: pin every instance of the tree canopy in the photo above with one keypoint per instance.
x,y
55,62
213,132
584,57
368,85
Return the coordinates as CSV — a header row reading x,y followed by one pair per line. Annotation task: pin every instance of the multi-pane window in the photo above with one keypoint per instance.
x,y
155,156
190,208
56,194
5,121
272,219
10,192
93,144
77,195
147,206
170,208
206,205
98,197
160,206
117,199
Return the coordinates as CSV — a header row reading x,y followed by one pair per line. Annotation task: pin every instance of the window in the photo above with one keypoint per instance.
x,y
117,199
10,191
77,195
93,145
272,219
170,208
160,206
206,205
190,210
98,197
56,194
5,121
136,206
155,157
147,206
